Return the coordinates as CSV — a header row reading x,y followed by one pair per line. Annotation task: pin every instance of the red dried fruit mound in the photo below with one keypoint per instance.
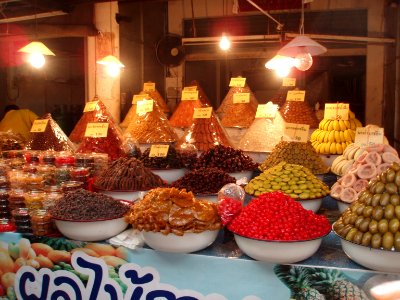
x,y
52,138
276,216
299,112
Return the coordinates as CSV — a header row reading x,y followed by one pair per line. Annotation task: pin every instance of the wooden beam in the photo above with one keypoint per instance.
x,y
44,31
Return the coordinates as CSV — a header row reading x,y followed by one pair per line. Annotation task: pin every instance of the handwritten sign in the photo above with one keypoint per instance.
x,y
96,130
241,97
39,125
149,86
266,111
144,106
189,95
190,88
202,113
289,81
139,97
159,151
90,106
296,95
367,136
296,132
336,111
237,82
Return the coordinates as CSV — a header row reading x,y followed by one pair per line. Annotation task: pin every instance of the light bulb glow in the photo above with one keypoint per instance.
x,y
282,72
303,61
113,70
37,60
280,62
224,43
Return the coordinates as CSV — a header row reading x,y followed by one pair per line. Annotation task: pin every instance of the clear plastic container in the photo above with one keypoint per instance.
x,y
16,199
34,199
70,186
64,158
22,220
52,195
4,207
62,174
41,222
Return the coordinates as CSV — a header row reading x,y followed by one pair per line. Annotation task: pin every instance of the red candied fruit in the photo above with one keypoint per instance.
x,y
276,216
228,208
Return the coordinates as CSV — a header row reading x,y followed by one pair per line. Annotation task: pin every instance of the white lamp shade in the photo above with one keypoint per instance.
x,y
110,60
301,44
36,47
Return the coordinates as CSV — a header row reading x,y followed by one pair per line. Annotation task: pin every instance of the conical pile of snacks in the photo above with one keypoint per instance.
x,y
173,211
262,135
233,112
129,116
294,180
299,112
373,219
156,96
203,134
151,127
182,117
280,96
173,160
95,111
49,137
370,162
127,174
295,153
333,136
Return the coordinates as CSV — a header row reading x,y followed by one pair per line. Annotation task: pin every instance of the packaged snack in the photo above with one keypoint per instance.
x,y
11,141
156,96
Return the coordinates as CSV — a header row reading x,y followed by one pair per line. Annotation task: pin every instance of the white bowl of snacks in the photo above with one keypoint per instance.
x,y
208,197
169,175
124,195
311,204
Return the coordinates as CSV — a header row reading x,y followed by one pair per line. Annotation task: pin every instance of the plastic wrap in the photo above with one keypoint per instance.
x,y
299,112
230,202
129,117
127,174
262,135
53,138
131,147
11,141
156,96
151,127
203,134
173,160
279,97
295,153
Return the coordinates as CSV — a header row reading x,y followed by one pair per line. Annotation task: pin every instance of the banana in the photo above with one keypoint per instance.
x,y
353,148
344,146
346,124
339,149
314,135
337,136
347,135
321,135
353,135
330,126
352,124
358,123
326,136
331,137
332,148
318,148
326,125
336,125
351,115
327,148
342,125
322,124
342,139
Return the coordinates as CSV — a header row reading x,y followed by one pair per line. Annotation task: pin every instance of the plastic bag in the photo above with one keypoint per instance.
x,y
156,96
131,147
299,112
11,141
230,202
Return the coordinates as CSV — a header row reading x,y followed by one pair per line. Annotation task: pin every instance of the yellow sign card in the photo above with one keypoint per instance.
x,y
149,86
144,106
296,132
190,88
96,130
139,97
289,81
266,111
39,125
190,95
202,113
159,150
296,95
241,97
336,111
237,82
90,106
366,136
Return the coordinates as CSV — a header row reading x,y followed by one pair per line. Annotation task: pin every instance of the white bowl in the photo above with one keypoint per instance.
x,y
342,206
375,259
208,197
189,242
313,204
257,157
169,175
280,252
125,195
242,174
91,231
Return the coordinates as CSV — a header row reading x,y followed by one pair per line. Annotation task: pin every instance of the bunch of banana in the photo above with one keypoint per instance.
x,y
333,136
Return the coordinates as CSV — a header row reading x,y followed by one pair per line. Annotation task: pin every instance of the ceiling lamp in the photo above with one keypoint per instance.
x,y
36,52
224,43
281,64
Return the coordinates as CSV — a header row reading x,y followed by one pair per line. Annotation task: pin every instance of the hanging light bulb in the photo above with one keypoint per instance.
x,y
36,52
280,64
113,70
303,61
224,43
37,60
113,65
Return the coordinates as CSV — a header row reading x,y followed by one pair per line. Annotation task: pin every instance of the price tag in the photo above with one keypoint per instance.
x,y
39,125
366,136
96,130
149,86
144,106
158,150
190,88
202,113
296,132
295,95
266,111
90,106
289,81
241,97
140,97
237,82
190,95
336,111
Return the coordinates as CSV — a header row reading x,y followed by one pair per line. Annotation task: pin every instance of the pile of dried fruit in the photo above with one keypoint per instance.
x,y
156,96
127,174
204,181
170,210
276,216
295,180
298,112
373,219
295,153
173,160
228,100
82,205
225,158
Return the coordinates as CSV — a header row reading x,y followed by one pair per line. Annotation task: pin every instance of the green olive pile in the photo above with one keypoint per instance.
x,y
373,220
294,180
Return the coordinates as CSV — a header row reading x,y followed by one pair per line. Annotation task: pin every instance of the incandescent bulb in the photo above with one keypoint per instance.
x,y
37,60
303,61
113,70
224,43
282,72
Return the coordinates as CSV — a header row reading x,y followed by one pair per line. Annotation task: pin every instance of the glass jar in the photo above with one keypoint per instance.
x,y
4,183
32,157
100,162
62,174
4,207
47,171
22,220
16,199
52,195
80,174
64,158
41,222
34,199
84,160
6,225
70,186
17,178
49,158
34,181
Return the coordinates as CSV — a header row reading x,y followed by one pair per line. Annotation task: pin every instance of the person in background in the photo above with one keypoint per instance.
x,y
17,120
